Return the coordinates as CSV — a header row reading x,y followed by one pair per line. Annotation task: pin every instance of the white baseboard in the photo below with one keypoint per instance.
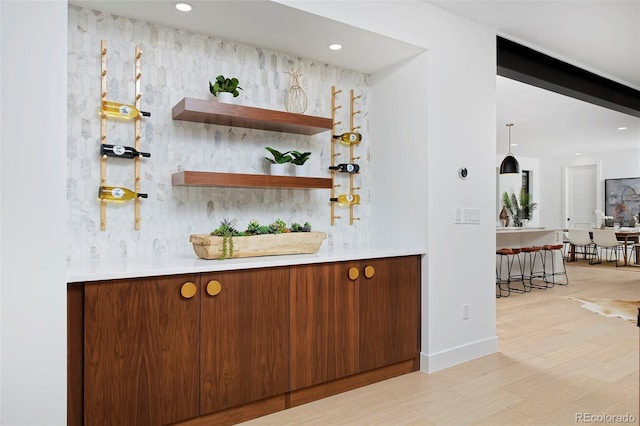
x,y
430,363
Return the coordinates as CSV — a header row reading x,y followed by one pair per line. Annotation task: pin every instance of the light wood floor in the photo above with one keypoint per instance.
x,y
555,360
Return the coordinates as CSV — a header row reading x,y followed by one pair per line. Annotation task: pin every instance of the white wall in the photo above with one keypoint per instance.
x,y
458,78
33,199
176,64
612,164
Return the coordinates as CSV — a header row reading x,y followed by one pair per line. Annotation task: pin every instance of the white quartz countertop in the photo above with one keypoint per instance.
x,y
98,270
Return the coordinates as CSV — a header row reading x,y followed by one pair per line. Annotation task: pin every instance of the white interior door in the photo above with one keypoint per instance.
x,y
581,196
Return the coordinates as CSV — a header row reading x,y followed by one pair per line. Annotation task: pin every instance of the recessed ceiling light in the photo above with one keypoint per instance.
x,y
335,46
577,153
184,7
622,128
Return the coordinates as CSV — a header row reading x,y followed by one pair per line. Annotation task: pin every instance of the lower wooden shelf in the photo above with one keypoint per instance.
x,y
192,178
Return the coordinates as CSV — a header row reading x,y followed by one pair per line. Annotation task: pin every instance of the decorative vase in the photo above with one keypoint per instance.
x,y
225,97
278,169
504,216
296,100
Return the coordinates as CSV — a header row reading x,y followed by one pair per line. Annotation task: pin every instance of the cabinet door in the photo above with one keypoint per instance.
x,y
389,311
141,351
324,324
245,337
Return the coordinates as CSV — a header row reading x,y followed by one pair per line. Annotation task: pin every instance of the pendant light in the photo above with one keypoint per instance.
x,y
509,164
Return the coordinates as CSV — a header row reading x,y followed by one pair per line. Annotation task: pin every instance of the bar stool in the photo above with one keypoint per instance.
x,y
532,257
508,257
552,249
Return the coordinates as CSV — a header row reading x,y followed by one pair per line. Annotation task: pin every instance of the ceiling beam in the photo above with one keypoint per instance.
x,y
529,66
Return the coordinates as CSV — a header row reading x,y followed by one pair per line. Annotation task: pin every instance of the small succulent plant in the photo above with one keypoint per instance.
x,y
254,228
279,227
296,227
227,231
223,84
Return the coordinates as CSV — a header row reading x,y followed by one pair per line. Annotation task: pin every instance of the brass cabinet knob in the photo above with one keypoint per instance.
x,y
369,271
188,290
354,273
214,288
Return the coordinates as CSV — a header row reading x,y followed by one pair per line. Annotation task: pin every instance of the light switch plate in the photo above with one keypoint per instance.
x,y
471,216
458,215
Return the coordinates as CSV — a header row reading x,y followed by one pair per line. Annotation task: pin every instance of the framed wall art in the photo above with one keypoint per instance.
x,y
622,200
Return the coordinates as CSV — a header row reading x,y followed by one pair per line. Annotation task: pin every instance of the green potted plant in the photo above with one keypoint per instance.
x,y
522,211
300,160
225,89
226,241
279,161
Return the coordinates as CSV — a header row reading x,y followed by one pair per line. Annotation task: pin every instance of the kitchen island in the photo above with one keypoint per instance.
x,y
512,237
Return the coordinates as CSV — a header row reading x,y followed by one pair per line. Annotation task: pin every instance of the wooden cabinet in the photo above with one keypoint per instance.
x,y
153,356
224,347
389,311
245,337
141,351
350,317
324,325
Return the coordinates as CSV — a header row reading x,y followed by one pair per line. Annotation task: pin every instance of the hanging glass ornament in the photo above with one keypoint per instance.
x,y
296,99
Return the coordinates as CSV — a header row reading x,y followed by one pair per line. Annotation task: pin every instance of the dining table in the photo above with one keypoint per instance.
x,y
627,235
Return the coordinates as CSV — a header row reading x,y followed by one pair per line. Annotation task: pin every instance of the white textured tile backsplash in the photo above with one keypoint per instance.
x,y
177,64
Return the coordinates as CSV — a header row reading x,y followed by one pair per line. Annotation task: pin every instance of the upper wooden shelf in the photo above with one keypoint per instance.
x,y
214,112
191,178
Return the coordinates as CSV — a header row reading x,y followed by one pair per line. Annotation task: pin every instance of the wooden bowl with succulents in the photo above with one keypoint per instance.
x,y
226,241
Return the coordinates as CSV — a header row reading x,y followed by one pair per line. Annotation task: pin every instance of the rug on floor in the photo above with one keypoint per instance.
x,y
625,309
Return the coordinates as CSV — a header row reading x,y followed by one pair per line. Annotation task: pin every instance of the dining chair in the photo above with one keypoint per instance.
x,y
606,239
582,243
634,255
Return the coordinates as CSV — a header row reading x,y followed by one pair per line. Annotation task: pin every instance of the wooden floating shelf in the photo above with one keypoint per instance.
x,y
236,180
214,112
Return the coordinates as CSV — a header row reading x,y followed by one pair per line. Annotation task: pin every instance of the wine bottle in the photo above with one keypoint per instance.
x,y
121,151
116,193
118,110
346,168
348,138
346,199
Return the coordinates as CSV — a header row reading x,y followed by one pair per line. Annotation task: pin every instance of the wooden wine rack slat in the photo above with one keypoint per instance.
x,y
103,133
352,158
137,137
334,108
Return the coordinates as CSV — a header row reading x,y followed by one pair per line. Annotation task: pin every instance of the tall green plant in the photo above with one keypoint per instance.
x,y
519,210
527,205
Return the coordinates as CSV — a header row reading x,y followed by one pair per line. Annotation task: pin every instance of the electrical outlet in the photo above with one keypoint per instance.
x,y
465,312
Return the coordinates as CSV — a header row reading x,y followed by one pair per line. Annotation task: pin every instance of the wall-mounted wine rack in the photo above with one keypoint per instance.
x,y
103,134
352,128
